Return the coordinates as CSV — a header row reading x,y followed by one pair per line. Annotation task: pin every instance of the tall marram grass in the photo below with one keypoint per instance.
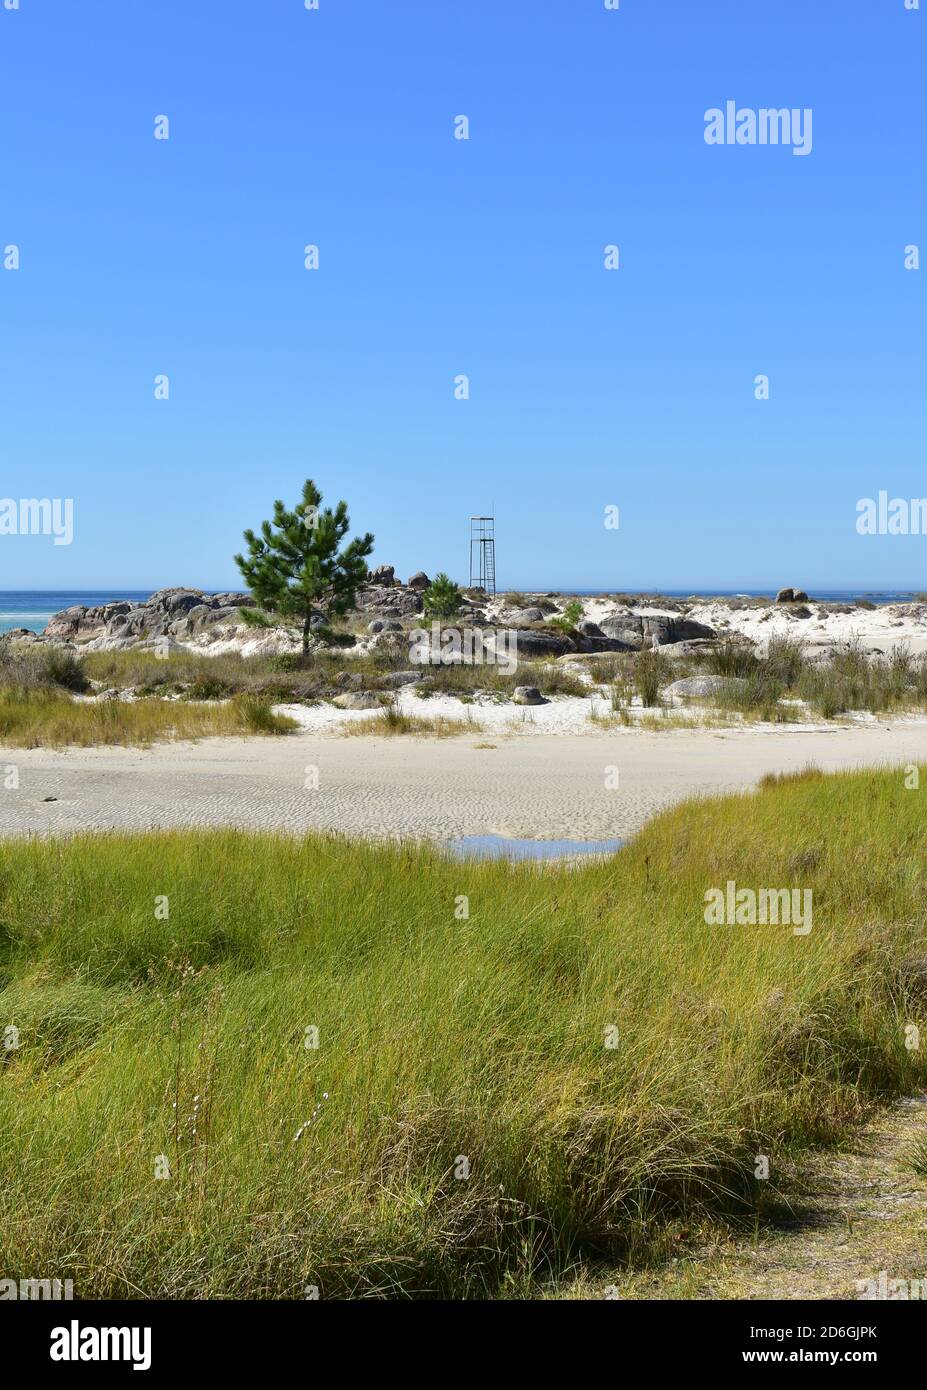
x,y
184,1035
39,718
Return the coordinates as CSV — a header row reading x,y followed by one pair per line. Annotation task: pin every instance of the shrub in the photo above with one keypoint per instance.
x,y
442,598
61,667
731,659
651,672
285,662
257,716
206,686
571,615
785,660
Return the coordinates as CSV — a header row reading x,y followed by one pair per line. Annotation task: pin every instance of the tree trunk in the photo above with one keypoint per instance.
x,y
306,631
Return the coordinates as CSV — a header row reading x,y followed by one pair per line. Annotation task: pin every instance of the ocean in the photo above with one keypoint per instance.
x,y
33,607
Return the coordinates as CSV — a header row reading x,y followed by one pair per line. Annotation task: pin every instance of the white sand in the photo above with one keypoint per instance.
x,y
879,629
530,784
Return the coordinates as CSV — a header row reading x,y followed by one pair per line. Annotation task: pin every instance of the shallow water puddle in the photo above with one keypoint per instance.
x,y
504,847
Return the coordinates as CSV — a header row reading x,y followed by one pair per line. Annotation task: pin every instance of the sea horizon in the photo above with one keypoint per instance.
x,y
33,608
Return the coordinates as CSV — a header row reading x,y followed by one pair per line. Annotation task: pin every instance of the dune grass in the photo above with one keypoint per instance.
x,y
851,679
41,718
447,1044
392,722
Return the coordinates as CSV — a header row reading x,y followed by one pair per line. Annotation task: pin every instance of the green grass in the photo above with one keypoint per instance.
x,y
440,1036
39,718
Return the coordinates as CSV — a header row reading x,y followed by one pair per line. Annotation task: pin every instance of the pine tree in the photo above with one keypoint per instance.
x,y
294,568
442,597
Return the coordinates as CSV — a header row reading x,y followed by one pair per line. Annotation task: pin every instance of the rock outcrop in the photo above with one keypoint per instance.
x,y
634,629
389,601
383,574
176,618
527,642
174,614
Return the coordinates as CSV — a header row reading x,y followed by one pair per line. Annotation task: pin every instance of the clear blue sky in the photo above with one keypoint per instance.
x,y
438,257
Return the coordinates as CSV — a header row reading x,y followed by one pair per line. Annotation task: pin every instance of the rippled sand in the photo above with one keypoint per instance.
x,y
541,785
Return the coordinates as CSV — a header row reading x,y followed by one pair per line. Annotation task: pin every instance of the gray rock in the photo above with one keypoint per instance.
x,y
78,621
357,699
678,650
231,600
588,628
528,695
624,631
528,643
661,629
133,622
700,686
155,644
176,601
606,644
395,679
587,659
386,601
382,575
201,616
518,617
419,580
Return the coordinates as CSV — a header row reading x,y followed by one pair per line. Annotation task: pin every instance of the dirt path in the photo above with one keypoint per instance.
x,y
857,1213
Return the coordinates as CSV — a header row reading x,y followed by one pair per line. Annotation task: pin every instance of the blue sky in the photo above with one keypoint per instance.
x,y
588,388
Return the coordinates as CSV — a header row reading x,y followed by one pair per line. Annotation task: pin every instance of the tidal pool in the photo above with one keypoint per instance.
x,y
503,847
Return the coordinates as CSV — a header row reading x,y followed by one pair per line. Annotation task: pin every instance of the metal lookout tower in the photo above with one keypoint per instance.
x,y
483,554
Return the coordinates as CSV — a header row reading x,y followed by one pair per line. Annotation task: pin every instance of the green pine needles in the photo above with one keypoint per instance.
x,y
295,569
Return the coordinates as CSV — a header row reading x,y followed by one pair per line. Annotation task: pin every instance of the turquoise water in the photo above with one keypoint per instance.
x,y
502,847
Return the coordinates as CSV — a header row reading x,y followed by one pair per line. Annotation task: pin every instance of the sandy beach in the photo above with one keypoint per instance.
x,y
532,785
